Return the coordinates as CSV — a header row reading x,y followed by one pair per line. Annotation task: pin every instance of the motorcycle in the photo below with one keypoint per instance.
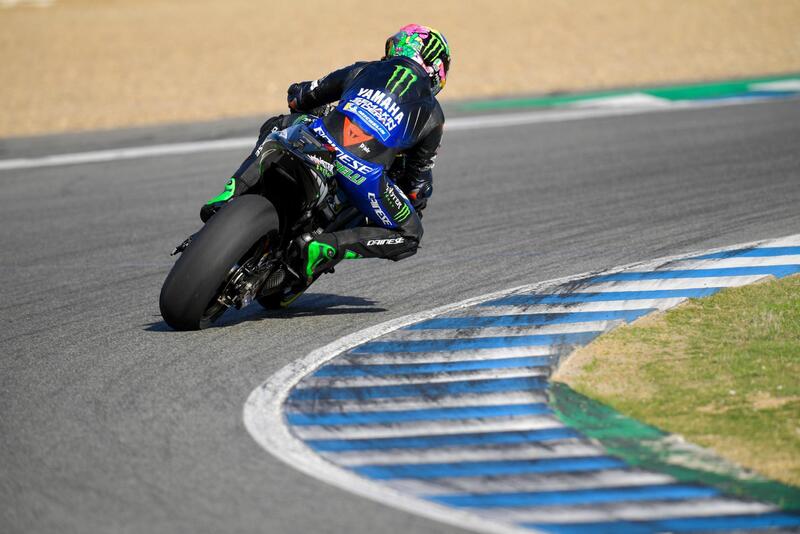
x,y
243,252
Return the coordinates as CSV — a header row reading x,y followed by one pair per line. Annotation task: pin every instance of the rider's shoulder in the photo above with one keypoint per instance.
x,y
359,66
437,113
351,71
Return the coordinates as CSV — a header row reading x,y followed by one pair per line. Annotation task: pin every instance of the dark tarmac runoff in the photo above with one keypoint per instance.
x,y
111,422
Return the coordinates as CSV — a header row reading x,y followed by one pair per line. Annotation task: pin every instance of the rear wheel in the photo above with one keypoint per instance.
x,y
189,296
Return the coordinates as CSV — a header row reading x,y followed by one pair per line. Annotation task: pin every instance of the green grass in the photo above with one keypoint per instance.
x,y
723,371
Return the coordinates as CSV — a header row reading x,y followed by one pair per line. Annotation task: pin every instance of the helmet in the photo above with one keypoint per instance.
x,y
426,46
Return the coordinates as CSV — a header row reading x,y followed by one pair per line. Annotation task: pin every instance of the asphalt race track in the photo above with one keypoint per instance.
x,y
110,422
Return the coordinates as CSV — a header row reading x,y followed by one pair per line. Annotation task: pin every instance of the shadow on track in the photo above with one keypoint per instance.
x,y
315,304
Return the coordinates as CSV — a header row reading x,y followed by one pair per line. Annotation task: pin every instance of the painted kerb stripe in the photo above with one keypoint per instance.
x,y
497,468
460,387
449,345
431,368
528,320
451,440
480,430
579,297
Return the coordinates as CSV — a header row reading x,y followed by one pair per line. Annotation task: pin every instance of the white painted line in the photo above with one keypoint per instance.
x,y
541,117
452,125
527,451
767,261
622,101
335,382
789,86
429,428
99,156
671,283
611,478
788,241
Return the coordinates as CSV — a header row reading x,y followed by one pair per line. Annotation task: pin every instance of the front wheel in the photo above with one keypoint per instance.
x,y
189,296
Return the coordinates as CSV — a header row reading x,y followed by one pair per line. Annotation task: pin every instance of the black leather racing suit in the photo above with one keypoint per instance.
x,y
386,128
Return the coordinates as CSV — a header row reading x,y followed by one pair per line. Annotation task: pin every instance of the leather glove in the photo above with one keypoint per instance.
x,y
295,94
419,195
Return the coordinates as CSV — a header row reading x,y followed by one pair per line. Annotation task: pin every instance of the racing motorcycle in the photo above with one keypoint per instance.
x,y
243,252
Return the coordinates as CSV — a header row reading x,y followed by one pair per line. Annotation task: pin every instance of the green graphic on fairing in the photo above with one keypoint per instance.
x,y
392,199
348,173
403,214
318,253
226,195
326,171
402,77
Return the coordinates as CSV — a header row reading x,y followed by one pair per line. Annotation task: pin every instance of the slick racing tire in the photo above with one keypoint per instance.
x,y
189,295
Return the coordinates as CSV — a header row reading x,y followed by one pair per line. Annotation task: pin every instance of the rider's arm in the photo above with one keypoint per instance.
x,y
304,96
417,178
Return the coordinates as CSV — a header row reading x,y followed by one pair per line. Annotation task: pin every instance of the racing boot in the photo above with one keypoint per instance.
x,y
309,257
316,255
319,254
313,256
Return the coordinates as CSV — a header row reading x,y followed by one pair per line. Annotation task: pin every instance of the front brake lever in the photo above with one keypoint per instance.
x,y
183,246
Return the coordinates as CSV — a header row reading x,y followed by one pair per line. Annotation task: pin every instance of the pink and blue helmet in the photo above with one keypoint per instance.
x,y
426,46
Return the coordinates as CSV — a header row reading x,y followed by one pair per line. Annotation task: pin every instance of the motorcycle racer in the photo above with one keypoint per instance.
x,y
385,131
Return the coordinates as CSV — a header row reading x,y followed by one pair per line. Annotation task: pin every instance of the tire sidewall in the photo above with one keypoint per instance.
x,y
195,278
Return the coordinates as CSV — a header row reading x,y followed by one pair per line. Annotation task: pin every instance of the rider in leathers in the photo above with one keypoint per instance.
x,y
385,130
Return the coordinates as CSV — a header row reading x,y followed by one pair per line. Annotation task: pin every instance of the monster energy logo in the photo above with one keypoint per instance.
x,y
432,49
403,214
391,199
349,173
401,76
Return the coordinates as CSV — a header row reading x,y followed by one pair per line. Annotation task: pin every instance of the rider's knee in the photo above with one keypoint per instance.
x,y
411,232
410,248
412,228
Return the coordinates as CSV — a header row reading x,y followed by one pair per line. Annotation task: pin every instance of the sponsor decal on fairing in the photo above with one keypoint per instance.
x,y
354,169
376,109
393,241
373,201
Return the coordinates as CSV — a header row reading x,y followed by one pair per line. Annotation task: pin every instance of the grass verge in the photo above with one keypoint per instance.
x,y
723,371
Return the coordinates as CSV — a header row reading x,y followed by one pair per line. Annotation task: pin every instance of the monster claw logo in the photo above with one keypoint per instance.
x,y
433,47
402,77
